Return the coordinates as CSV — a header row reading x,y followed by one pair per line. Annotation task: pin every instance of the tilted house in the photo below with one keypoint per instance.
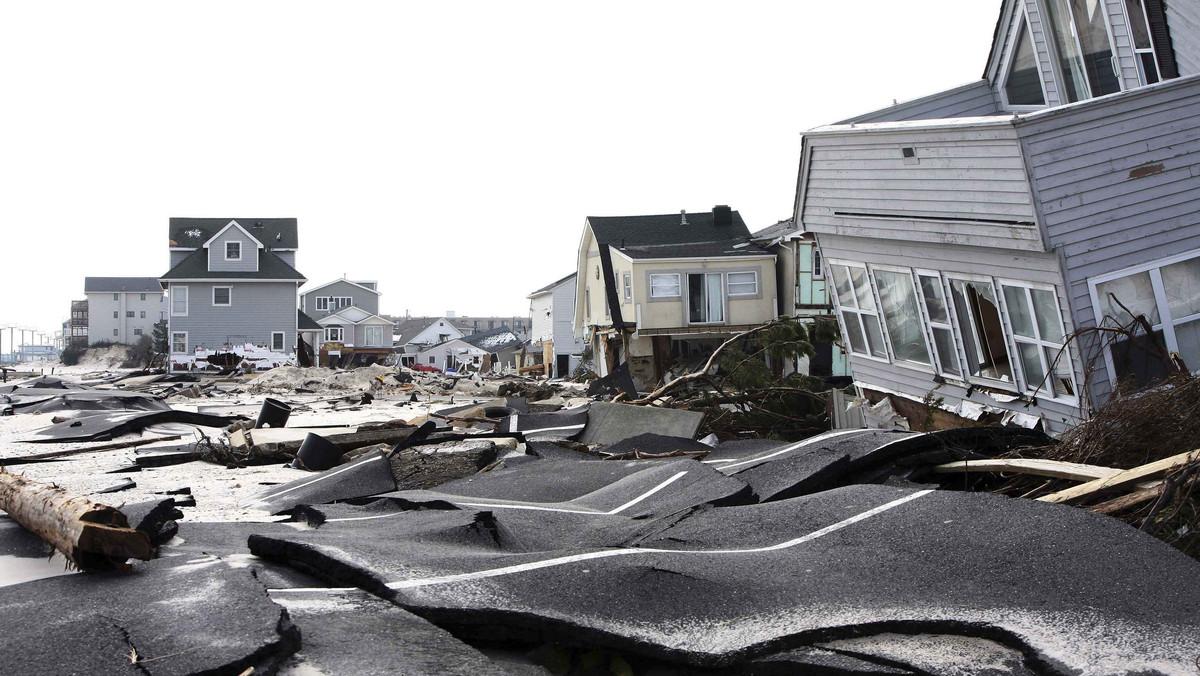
x,y
232,283
657,290
970,233
552,318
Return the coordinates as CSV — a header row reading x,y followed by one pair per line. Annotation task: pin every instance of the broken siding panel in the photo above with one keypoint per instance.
x,y
256,309
1035,267
1124,193
1183,20
860,182
970,100
216,253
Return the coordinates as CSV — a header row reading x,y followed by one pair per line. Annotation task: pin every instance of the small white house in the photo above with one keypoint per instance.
x,y
552,312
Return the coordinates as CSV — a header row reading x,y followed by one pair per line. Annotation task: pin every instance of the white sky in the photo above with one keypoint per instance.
x,y
449,150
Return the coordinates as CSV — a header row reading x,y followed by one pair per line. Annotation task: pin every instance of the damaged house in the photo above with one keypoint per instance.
x,y
970,234
497,349
232,283
659,291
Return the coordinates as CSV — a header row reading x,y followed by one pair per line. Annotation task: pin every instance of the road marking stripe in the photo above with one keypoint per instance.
x,y
551,429
801,444
268,498
608,553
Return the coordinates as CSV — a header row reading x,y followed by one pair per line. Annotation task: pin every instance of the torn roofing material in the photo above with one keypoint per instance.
x,y
108,425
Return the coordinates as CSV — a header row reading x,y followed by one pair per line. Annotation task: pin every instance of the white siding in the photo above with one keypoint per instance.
x,y
1183,20
101,322
543,322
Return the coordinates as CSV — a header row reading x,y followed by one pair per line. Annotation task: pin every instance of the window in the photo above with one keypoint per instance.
x,y
982,332
743,283
233,251
627,285
116,296
902,316
1143,46
322,303
339,302
938,313
179,342
373,336
116,314
137,332
1167,296
179,301
129,314
664,286
860,320
817,271
143,296
115,332
143,315
221,295
1023,80
1080,34
1037,330
334,334
433,360
706,302
277,341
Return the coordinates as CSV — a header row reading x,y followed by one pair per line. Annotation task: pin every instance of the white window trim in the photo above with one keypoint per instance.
x,y
678,284
239,247
887,336
947,325
837,305
627,284
687,300
1056,58
341,334
1021,18
214,296
1166,322
185,341
318,300
731,294
367,332
186,300
1015,385
1137,52
282,340
1039,390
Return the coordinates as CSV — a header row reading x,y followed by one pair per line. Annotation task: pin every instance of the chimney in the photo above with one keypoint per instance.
x,y
683,216
722,216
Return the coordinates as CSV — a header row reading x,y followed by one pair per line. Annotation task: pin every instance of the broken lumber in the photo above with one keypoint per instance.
x,y
1124,479
1035,466
90,535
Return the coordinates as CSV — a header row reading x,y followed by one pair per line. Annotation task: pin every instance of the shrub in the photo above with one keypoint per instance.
x,y
140,354
70,355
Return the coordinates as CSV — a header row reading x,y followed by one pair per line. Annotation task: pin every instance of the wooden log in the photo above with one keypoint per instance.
x,y
1124,479
90,535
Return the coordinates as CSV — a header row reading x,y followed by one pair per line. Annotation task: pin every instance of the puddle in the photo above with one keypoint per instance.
x,y
18,569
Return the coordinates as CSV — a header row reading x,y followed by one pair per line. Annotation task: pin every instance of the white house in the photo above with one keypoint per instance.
x,y
552,312
122,309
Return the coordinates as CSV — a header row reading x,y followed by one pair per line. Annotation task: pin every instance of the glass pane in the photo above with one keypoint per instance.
x,y
1188,337
1092,29
1049,320
1139,361
1063,381
1181,281
1018,311
1137,24
981,330
854,333
935,301
716,299
944,342
1134,292
1031,364
862,288
898,303
874,336
695,298
841,280
1023,86
1149,67
1071,73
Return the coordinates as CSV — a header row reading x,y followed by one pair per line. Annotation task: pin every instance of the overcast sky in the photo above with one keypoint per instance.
x,y
449,150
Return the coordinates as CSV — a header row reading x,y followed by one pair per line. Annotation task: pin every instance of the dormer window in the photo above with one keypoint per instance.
x,y
233,251
1023,79
1080,34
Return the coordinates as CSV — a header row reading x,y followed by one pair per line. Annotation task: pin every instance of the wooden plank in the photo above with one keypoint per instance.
x,y
1036,466
1125,479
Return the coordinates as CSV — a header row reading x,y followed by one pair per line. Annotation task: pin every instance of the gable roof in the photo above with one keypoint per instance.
x,y
495,340
726,249
195,266
273,233
665,229
121,284
234,224
342,279
353,315
306,323
550,287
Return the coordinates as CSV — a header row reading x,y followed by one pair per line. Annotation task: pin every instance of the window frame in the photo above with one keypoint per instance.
x,y
237,242
143,297
687,300
728,284
887,336
130,314
818,271
1014,385
932,325
367,335
341,334
1057,57
317,301
229,299
1166,321
282,339
137,332
1020,22
174,334
1061,350
186,300
1139,51
627,284
857,311
678,285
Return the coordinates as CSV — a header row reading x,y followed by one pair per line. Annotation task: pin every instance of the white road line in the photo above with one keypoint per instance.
x,y
536,508
609,553
264,500
301,590
552,429
788,449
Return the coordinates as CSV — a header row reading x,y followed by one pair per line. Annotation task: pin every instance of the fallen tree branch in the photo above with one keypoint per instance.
x,y
703,372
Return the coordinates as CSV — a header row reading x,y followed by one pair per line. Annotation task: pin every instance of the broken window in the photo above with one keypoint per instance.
x,y
981,330
179,342
233,251
743,283
934,297
1037,327
859,316
221,295
1023,82
179,301
664,286
902,316
706,302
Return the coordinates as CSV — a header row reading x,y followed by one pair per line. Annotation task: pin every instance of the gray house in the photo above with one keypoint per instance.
x,y
232,283
331,297
970,234
552,314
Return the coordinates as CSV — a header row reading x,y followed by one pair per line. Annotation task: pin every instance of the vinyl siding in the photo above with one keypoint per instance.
x,y
966,101
362,299
216,253
101,322
563,315
1183,20
1035,267
975,174
288,257
1098,214
178,256
256,309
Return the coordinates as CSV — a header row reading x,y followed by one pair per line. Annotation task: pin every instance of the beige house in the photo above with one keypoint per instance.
x,y
661,291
